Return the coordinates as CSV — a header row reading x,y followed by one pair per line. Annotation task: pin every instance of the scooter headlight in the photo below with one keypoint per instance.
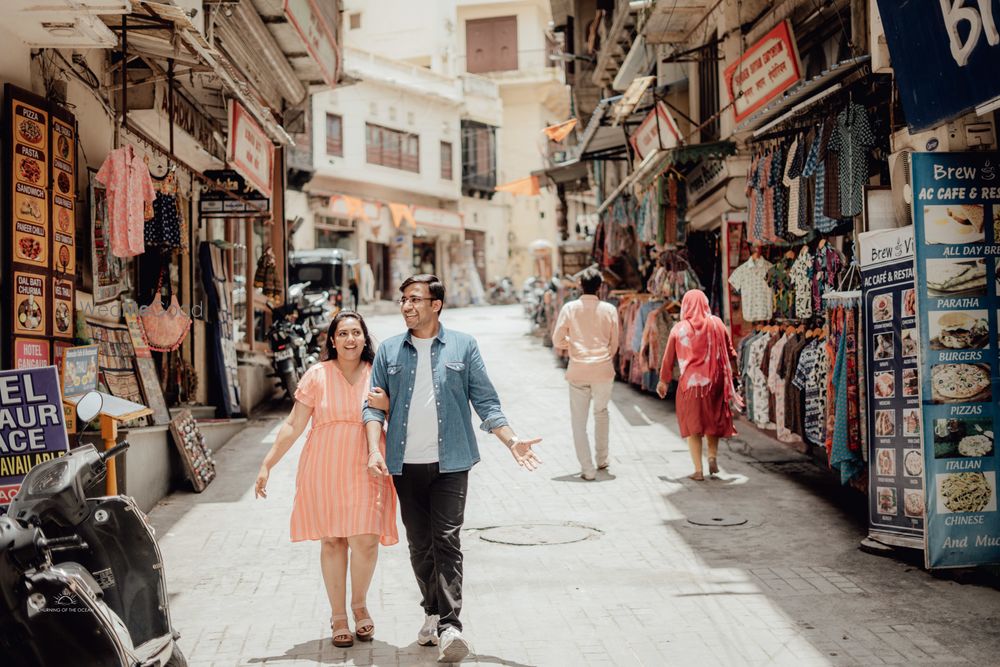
x,y
53,476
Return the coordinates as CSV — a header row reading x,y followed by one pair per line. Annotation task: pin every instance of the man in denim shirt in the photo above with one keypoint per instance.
x,y
431,376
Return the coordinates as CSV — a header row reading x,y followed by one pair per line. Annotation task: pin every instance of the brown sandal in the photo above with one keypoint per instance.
x,y
713,465
342,637
368,633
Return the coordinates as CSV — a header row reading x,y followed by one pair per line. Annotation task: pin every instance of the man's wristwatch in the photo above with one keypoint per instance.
x,y
510,442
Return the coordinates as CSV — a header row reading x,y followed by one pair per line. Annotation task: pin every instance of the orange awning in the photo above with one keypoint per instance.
x,y
522,186
559,131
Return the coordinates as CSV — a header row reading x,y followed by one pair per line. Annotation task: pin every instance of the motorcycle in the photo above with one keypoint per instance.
x,y
289,341
501,292
107,603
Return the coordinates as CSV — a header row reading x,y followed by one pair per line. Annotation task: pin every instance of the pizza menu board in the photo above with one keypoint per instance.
x,y
956,217
891,345
40,263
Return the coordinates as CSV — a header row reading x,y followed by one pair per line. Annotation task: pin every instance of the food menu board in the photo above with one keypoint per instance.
x,y
40,265
956,216
896,464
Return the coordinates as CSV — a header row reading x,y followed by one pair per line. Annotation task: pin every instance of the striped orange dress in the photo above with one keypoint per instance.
x,y
334,494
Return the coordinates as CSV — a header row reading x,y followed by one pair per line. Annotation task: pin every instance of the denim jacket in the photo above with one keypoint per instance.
x,y
459,379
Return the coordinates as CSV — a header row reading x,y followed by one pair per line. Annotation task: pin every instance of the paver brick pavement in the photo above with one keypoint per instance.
x,y
789,587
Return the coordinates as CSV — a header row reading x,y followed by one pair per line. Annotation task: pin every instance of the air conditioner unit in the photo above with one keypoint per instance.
x,y
902,191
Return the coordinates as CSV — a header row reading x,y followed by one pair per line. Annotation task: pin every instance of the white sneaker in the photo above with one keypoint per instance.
x,y
453,646
428,635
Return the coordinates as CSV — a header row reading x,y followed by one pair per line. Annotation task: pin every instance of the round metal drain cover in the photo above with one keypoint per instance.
x,y
721,520
535,534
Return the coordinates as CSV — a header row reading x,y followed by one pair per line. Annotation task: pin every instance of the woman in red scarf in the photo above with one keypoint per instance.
x,y
701,346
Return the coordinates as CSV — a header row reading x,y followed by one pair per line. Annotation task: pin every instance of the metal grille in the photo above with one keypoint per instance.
x,y
708,90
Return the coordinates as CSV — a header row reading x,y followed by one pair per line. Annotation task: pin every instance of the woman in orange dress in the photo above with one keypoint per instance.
x,y
701,346
336,501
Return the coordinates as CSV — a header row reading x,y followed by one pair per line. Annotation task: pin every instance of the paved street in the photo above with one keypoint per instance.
x,y
646,587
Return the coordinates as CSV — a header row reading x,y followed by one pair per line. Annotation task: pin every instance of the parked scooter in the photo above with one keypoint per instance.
x,y
501,292
289,342
81,579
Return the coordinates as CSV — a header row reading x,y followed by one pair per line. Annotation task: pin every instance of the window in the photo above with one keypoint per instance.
x,y
354,20
491,44
479,158
334,135
708,91
446,161
392,148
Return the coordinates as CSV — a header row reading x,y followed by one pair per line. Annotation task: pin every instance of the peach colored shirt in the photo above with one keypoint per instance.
x,y
588,328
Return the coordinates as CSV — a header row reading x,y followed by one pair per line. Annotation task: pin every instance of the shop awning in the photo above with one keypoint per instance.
x,y
802,94
659,161
564,173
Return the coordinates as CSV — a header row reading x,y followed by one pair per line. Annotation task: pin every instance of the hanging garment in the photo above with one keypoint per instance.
x,y
793,181
130,197
780,279
756,296
163,230
852,139
801,277
224,385
776,385
265,276
827,265
842,457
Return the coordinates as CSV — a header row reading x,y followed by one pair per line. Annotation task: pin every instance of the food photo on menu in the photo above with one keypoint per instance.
x,y
911,382
913,463
909,303
911,422
885,462
882,308
958,329
885,423
954,224
908,342
883,346
967,492
963,437
886,500
961,383
913,503
956,277
885,384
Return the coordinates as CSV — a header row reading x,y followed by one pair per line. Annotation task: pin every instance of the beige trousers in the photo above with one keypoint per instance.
x,y
580,397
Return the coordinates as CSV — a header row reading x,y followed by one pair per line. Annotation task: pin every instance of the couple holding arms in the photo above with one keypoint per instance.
x,y
420,385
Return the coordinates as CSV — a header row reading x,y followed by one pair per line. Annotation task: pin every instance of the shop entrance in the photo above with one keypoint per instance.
x,y
425,255
378,259
478,251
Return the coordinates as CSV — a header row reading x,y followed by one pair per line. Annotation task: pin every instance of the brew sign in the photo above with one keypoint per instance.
x,y
32,426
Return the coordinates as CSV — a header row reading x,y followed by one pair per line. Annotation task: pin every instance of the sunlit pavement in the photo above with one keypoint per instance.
x,y
786,586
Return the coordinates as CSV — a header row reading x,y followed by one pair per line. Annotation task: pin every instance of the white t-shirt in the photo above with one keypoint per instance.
x,y
421,423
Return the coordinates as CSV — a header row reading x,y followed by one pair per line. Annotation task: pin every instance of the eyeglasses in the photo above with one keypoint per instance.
x,y
415,300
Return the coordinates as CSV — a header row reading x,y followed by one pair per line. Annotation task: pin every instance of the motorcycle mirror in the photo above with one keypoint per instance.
x,y
89,406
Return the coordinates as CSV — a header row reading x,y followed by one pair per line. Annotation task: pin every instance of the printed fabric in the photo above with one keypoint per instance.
x,y
801,277
756,296
852,138
130,197
783,288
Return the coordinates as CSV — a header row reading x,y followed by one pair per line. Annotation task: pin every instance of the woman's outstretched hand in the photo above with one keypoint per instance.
x,y
260,487
661,389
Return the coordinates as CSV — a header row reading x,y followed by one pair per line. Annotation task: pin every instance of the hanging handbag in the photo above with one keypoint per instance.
x,y
166,328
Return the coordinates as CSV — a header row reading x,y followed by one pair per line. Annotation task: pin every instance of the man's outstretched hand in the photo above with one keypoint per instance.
x,y
521,450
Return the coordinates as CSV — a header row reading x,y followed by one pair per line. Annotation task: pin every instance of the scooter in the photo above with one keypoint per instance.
x,y
114,580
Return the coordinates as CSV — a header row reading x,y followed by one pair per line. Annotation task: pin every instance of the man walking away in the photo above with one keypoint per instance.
x,y
588,328
431,375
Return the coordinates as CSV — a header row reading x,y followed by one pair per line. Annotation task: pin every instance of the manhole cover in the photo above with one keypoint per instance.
x,y
533,534
714,519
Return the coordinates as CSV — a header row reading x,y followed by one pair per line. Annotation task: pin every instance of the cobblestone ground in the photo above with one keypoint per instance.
x,y
647,587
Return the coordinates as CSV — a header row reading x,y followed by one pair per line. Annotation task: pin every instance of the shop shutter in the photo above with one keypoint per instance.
x,y
491,44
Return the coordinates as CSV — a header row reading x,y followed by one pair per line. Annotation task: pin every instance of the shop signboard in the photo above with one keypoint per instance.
x,y
39,240
892,388
317,34
250,150
32,427
658,131
217,201
944,57
956,217
79,370
765,70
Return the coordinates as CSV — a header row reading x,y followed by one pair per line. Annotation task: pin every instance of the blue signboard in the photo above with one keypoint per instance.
x,y
32,425
944,57
956,216
892,390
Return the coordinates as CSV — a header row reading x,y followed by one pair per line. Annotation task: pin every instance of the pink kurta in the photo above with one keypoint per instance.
x,y
335,496
130,200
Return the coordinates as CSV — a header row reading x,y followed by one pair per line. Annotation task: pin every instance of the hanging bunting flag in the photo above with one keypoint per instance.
x,y
400,214
523,186
560,131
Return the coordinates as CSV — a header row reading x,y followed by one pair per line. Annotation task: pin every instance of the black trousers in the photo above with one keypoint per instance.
x,y
432,504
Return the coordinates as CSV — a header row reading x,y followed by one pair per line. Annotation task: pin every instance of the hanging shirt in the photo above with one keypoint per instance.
x,y
758,382
827,265
801,277
793,181
852,139
783,288
750,280
130,196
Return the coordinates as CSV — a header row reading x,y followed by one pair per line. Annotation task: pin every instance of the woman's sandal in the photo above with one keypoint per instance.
x,y
713,466
342,637
364,628
697,476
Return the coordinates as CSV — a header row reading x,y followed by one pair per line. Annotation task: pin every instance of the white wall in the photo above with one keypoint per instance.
x,y
434,121
419,32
